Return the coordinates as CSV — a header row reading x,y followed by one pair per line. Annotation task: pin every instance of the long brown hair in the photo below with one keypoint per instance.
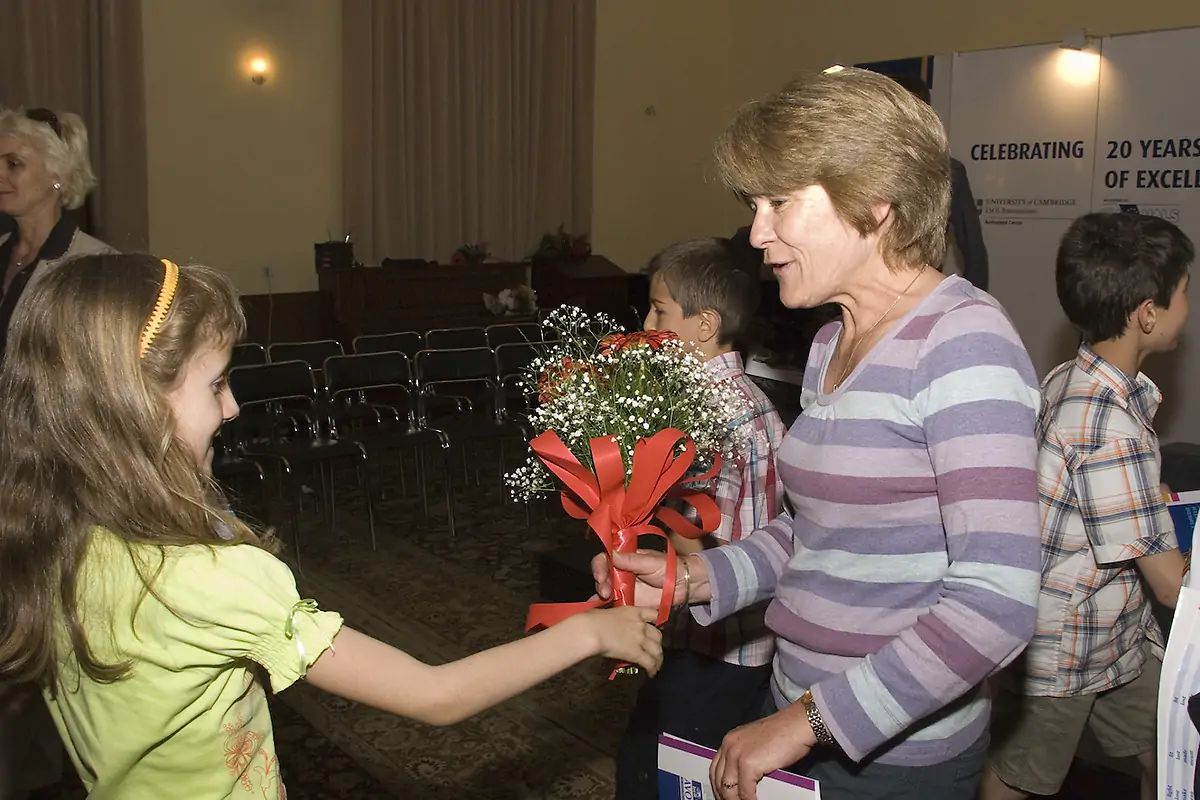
x,y
87,440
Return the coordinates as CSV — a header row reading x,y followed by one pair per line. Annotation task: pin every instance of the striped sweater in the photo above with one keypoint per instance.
x,y
909,570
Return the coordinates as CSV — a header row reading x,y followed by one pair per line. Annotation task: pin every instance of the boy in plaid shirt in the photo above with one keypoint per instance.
x,y
1096,657
711,677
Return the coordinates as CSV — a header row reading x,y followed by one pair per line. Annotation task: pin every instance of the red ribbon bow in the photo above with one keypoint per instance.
x,y
618,515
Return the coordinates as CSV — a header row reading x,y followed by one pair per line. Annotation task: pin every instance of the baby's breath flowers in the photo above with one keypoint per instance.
x,y
595,380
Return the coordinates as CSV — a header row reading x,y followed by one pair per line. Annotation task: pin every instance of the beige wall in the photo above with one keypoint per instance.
x,y
242,176
696,61
658,108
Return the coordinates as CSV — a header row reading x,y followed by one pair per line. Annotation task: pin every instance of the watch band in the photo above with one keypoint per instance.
x,y
814,719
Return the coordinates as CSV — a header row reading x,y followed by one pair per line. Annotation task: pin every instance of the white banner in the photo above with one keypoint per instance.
x,y
1148,160
1026,134
1023,121
1047,134
1149,127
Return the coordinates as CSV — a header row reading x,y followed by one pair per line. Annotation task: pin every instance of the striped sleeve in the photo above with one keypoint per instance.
x,y
747,571
975,391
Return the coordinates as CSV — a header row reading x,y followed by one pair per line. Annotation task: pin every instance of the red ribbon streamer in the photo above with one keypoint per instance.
x,y
619,514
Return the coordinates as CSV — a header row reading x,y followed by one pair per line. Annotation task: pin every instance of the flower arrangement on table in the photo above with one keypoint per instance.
x,y
521,300
471,253
558,245
629,425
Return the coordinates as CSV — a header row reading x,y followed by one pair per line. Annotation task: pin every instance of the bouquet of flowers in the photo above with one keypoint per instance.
x,y
627,421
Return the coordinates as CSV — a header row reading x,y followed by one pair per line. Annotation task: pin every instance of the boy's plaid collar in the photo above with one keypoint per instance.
x,y
727,363
1138,392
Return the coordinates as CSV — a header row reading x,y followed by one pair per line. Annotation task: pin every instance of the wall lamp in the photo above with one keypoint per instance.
x,y
1077,39
260,68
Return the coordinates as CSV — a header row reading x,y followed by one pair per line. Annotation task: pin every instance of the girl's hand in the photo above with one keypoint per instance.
x,y
627,634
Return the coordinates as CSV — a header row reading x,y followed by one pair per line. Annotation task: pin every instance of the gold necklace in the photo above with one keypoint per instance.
x,y
853,350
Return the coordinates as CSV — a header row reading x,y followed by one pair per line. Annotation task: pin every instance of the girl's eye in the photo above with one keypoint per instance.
x,y
777,204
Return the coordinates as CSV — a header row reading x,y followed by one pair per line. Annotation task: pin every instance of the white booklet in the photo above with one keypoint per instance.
x,y
683,775
1177,736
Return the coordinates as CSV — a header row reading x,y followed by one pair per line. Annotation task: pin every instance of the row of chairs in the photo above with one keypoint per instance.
x,y
412,342
407,342
422,369
369,402
309,404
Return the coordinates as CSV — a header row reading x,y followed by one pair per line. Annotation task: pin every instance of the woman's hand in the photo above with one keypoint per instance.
x,y
650,569
649,566
752,751
627,634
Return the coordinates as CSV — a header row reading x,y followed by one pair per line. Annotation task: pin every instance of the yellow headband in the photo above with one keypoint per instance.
x,y
165,296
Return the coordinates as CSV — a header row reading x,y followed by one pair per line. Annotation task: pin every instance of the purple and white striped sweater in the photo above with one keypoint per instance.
x,y
910,570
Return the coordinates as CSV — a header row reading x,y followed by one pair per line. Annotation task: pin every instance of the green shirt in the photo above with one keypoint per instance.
x,y
190,719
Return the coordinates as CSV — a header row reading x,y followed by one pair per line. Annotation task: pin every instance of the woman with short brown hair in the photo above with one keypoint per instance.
x,y
909,568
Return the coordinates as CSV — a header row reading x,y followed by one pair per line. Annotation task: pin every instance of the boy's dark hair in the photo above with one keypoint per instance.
x,y
710,273
916,85
1109,264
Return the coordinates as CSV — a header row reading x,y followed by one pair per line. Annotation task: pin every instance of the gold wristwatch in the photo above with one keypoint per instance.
x,y
814,719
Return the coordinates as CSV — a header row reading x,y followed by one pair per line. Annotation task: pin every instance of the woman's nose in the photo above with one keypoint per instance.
x,y
761,230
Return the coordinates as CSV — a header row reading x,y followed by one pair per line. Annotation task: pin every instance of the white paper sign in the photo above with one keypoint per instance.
x,y
683,775
1177,737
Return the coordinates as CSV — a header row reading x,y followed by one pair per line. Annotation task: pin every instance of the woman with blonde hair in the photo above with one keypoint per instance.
x,y
151,617
908,570
44,170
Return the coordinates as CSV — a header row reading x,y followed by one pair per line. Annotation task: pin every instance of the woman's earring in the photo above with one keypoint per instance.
x,y
57,186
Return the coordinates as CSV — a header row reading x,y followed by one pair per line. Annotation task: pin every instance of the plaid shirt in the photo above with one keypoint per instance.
x,y
749,493
1098,480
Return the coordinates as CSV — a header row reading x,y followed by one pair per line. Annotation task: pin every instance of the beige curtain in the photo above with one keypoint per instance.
x,y
86,56
464,121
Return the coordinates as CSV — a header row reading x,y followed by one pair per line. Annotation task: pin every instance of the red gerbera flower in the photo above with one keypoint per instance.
x,y
554,375
615,342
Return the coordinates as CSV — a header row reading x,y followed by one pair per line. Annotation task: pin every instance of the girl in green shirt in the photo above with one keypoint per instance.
x,y
139,604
